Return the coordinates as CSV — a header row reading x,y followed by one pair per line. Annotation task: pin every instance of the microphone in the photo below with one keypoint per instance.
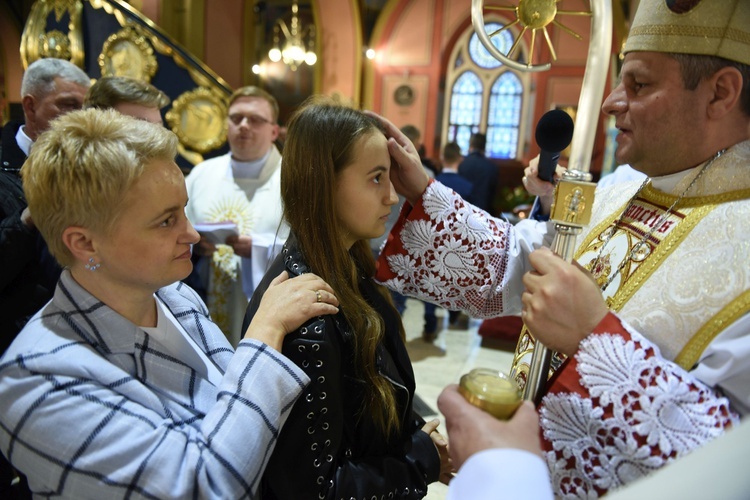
x,y
553,134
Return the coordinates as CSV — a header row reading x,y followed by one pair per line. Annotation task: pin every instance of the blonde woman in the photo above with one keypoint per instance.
x,y
121,386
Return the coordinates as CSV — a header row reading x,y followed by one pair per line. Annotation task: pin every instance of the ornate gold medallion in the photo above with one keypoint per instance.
x,y
601,269
198,119
128,53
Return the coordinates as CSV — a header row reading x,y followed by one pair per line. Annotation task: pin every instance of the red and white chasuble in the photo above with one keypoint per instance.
x,y
665,374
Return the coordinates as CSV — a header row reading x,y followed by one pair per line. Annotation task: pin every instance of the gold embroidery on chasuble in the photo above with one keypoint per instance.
x,y
224,265
679,307
618,250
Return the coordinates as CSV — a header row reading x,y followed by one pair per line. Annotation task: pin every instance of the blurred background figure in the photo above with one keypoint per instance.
x,y
481,172
241,187
128,96
415,136
50,88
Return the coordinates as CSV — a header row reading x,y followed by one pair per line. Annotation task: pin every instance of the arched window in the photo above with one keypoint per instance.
x,y
504,118
466,108
485,96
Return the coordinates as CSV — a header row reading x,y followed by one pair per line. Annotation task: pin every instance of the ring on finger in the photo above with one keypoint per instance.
x,y
317,296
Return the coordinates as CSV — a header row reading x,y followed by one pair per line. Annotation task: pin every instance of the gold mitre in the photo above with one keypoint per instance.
x,y
709,27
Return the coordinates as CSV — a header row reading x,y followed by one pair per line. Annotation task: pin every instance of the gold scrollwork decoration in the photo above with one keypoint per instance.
x,y
38,43
161,44
62,6
128,53
55,43
198,119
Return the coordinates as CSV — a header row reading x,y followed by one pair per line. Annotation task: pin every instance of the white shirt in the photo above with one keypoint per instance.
x,y
169,333
24,141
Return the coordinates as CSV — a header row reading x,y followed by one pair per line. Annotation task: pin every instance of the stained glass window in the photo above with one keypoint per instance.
x,y
502,41
466,109
504,116
483,95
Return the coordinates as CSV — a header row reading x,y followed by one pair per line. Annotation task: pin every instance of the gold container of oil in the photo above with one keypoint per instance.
x,y
492,391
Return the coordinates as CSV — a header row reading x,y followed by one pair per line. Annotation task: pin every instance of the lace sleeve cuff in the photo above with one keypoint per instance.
x,y
618,410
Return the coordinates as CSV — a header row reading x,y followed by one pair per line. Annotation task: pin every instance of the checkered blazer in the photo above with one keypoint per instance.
x,y
91,407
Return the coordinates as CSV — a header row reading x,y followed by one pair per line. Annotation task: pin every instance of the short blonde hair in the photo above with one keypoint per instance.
x,y
80,170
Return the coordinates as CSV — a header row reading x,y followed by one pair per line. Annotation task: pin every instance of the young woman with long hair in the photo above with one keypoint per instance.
x,y
353,433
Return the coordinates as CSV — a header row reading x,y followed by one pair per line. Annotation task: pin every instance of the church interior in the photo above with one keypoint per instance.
x,y
415,62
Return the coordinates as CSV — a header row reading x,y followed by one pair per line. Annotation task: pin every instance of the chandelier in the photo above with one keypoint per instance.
x,y
299,42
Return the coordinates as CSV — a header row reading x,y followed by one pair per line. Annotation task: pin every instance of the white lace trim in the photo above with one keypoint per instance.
x,y
643,412
453,256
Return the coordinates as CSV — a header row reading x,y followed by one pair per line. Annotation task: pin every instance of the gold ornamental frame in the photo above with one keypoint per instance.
x,y
38,43
128,53
198,117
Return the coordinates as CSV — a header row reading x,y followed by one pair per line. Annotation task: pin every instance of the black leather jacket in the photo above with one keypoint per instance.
x,y
324,450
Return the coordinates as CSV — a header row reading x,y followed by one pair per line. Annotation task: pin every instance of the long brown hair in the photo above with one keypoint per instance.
x,y
320,143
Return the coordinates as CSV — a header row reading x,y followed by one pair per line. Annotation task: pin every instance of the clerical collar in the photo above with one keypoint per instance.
x,y
24,141
668,183
248,169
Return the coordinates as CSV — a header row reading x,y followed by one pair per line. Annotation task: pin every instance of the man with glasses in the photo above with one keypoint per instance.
x,y
241,187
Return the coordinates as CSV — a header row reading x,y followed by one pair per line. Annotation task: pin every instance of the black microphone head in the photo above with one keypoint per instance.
x,y
554,130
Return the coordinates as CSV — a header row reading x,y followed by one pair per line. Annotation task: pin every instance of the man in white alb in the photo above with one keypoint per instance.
x,y
241,187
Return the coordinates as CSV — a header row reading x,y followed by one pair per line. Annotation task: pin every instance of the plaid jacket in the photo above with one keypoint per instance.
x,y
94,408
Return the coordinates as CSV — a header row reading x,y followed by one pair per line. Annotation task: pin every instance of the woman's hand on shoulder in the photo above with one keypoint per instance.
x,y
287,304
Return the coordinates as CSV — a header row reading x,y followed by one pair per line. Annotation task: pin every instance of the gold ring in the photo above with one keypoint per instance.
x,y
317,295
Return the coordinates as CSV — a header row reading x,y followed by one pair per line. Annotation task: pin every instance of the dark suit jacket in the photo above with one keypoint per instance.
x,y
27,271
483,174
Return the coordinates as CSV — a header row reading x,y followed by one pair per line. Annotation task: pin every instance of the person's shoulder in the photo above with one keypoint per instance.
x,y
275,177
47,338
181,297
208,165
11,154
10,128
473,159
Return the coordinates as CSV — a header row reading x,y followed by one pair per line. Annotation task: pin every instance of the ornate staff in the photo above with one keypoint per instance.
x,y
574,194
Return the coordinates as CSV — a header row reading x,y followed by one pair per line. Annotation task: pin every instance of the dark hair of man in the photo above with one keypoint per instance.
x,y
411,132
695,68
321,141
478,141
451,152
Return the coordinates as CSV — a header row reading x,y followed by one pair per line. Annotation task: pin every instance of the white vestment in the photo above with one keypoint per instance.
x,y
255,206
